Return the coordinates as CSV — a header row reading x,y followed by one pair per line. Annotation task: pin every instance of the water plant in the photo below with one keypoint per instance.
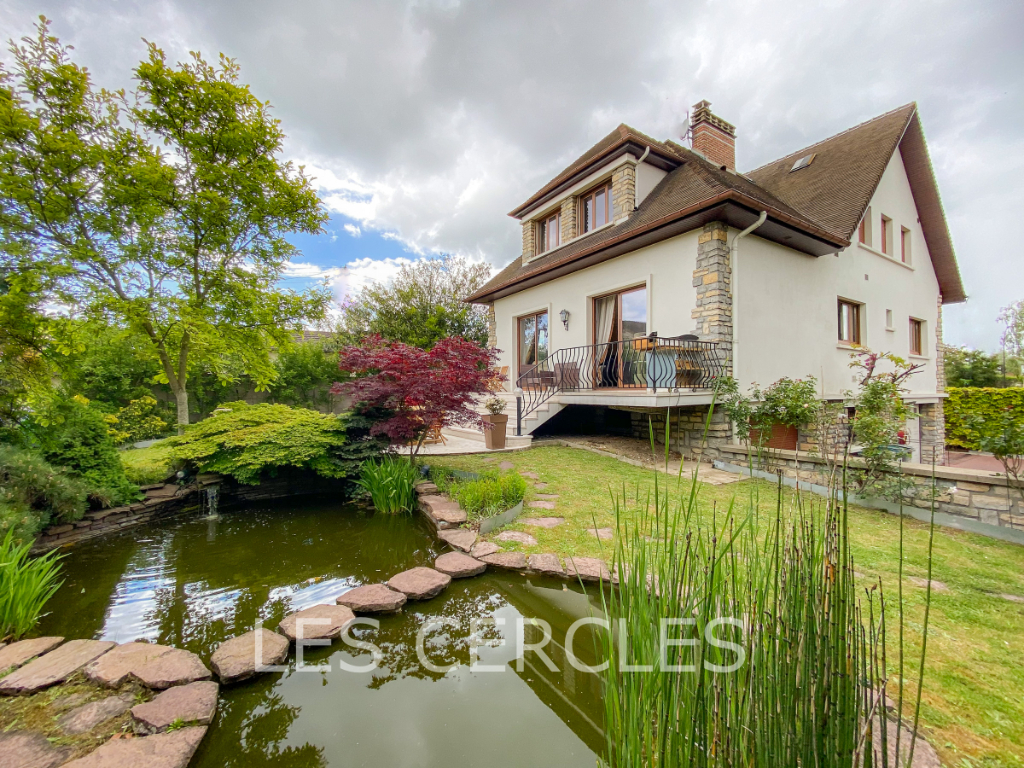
x,y
28,583
390,482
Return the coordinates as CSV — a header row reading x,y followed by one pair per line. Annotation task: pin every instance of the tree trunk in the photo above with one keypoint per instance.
x,y
181,396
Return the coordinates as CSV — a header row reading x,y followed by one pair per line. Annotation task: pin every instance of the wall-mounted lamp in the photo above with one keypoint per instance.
x,y
564,315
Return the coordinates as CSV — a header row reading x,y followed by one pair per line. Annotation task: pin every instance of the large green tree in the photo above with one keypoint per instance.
x,y
421,305
165,210
972,368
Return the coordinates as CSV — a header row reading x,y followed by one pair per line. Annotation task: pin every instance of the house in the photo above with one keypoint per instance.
x,y
648,268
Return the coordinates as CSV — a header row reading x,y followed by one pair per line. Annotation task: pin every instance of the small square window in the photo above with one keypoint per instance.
x,y
916,336
849,322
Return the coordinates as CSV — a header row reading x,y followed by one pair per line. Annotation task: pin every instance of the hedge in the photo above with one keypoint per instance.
x,y
965,403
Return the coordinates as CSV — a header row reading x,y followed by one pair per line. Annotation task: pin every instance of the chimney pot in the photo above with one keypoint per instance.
x,y
712,136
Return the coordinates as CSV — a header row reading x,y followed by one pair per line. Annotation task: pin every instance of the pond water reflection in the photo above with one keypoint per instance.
x,y
191,585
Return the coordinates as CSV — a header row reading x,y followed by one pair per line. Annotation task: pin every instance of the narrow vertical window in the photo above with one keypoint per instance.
x,y
916,337
549,233
886,236
864,230
849,322
595,208
905,245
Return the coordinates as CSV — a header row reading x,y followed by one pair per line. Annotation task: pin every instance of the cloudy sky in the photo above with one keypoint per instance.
x,y
425,122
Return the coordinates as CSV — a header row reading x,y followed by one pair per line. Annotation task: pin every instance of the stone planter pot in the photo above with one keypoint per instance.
x,y
495,436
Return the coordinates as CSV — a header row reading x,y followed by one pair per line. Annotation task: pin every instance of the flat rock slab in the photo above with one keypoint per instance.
x,y
321,622
549,565
449,518
541,505
540,486
373,598
937,586
425,489
22,749
55,667
483,548
193,703
506,465
420,583
236,659
458,538
587,569
605,534
513,561
547,496
70,701
23,651
155,666
542,522
165,750
531,475
518,537
432,503
162,492
86,717
1012,598
459,566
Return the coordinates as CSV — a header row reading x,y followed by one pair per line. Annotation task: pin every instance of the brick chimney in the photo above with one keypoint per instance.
x,y
712,136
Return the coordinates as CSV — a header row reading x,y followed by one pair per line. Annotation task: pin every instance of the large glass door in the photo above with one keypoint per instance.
x,y
533,341
619,318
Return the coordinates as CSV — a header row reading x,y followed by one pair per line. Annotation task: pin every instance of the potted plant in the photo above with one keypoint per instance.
x,y
494,435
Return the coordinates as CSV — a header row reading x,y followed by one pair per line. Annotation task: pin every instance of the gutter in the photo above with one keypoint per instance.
x,y
734,252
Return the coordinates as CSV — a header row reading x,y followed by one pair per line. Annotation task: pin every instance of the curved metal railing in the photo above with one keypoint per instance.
x,y
649,363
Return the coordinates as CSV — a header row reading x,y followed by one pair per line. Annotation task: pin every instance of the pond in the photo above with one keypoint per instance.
x,y
193,583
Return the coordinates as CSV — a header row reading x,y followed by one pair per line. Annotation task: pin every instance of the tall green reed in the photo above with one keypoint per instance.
x,y
390,483
26,584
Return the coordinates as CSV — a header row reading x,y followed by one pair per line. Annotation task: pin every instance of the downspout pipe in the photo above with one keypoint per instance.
x,y
734,252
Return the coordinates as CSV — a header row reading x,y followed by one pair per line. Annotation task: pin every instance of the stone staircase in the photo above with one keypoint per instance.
x,y
530,423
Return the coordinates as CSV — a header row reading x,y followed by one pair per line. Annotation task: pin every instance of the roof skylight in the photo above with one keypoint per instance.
x,y
803,162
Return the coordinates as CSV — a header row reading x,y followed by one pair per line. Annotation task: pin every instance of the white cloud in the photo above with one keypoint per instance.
x,y
353,230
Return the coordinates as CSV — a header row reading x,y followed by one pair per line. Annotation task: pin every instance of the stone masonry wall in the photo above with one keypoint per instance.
x,y
529,240
713,280
567,219
686,435
492,327
623,191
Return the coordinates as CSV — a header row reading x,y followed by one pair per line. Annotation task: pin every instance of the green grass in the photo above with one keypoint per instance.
x,y
27,584
148,466
973,698
492,493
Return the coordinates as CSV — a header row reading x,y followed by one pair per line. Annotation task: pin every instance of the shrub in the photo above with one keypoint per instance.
x,y
391,483
139,420
147,466
28,583
248,441
968,409
32,493
78,440
491,494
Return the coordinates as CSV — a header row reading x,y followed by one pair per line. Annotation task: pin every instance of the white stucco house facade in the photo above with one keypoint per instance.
x,y
649,268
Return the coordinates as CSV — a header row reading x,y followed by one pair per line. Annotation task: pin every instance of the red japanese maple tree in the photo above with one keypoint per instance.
x,y
417,388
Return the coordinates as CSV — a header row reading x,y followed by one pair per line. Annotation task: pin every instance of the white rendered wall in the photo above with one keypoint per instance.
x,y
787,323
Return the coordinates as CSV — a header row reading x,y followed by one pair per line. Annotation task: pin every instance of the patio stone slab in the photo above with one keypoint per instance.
x,y
542,522
483,548
518,537
86,717
547,564
531,475
331,622
55,667
458,538
164,750
541,505
605,534
155,666
513,561
235,659
540,486
22,749
420,583
373,598
20,653
192,703
587,569
459,566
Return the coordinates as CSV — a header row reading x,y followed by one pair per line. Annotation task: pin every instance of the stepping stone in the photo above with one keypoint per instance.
x,y
193,703
459,566
605,534
547,496
420,583
513,561
1012,598
155,666
426,488
235,659
587,569
541,505
332,622
162,492
55,667
65,703
483,548
542,522
506,465
458,538
86,717
23,651
540,486
531,475
373,598
446,512
548,565
518,537
164,750
22,749
937,586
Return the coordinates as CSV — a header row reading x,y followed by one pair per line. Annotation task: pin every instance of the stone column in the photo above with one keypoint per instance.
x,y
713,280
933,416
567,219
492,327
623,191
529,240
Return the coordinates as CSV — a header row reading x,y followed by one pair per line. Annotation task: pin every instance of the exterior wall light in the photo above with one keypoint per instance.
x,y
564,315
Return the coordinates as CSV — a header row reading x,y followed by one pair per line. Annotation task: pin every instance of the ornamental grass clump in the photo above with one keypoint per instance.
x,y
489,494
390,483
27,584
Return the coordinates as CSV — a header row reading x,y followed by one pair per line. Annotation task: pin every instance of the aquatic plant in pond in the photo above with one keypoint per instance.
x,y
390,483
490,494
27,584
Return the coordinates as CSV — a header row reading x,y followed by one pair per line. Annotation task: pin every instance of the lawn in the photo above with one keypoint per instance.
x,y
147,466
973,700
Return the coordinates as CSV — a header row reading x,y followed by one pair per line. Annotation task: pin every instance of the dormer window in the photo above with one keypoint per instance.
x,y
595,208
549,233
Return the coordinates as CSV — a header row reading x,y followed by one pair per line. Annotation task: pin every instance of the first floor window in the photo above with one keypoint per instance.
x,y
916,337
849,322
549,234
533,340
595,208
